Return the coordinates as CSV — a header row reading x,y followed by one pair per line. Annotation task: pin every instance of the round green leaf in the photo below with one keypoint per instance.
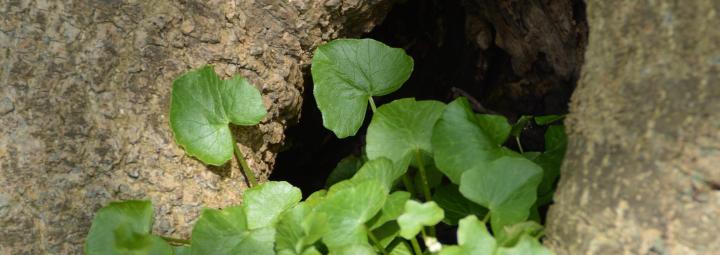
x,y
347,72
203,105
417,215
380,169
401,128
508,187
124,228
264,203
459,143
226,231
348,205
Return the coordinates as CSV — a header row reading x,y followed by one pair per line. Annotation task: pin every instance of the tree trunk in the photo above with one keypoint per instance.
x,y
84,97
641,174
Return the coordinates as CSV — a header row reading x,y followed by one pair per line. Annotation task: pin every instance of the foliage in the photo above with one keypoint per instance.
x,y
427,162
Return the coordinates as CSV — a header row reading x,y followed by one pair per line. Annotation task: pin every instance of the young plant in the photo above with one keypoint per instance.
x,y
426,163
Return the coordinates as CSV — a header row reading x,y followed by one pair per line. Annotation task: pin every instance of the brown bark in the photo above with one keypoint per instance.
x,y
84,96
641,173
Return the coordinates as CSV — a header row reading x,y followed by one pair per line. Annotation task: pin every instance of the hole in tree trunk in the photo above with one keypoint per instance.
x,y
512,58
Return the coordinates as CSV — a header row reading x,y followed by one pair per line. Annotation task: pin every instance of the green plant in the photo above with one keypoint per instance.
x,y
425,162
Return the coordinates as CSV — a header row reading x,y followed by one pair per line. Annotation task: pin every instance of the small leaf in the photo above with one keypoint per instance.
x,y
355,249
526,246
393,208
508,187
299,228
387,233
226,231
473,239
548,119
417,215
401,128
459,143
401,248
265,202
348,205
201,108
495,126
124,228
516,231
551,161
347,72
380,169
344,170
455,205
521,123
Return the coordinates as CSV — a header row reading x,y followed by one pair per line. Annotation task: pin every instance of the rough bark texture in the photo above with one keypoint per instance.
x,y
84,96
641,175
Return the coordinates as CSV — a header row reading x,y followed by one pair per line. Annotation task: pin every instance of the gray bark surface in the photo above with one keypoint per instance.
x,y
84,96
641,174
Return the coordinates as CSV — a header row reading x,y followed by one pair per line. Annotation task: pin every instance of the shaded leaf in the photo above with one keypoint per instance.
x,y
521,123
551,161
455,205
548,119
344,170
347,72
203,105
393,208
496,127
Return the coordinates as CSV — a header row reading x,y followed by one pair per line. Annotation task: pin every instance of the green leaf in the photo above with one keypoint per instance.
x,y
495,126
401,128
459,143
226,232
348,72
203,105
124,228
348,205
551,161
548,119
473,239
265,202
521,123
355,249
455,205
516,231
433,175
381,169
508,187
300,227
417,215
387,233
526,246
393,208
344,170
182,250
401,248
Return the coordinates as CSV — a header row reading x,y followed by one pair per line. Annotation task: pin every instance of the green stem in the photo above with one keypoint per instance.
x,y
416,246
408,184
517,139
423,176
377,243
486,218
249,174
372,105
176,240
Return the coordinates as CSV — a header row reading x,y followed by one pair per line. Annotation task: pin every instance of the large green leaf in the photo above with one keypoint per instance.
x,y
459,143
418,215
348,205
508,187
124,228
381,169
402,128
495,126
226,231
264,203
345,169
455,205
203,105
348,72
299,228
473,239
393,208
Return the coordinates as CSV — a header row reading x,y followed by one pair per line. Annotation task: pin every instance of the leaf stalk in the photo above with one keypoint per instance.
x,y
249,174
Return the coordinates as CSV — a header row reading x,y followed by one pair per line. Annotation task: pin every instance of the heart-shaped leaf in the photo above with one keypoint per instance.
x,y
459,143
264,203
226,231
418,215
508,187
402,128
348,72
203,105
348,205
124,228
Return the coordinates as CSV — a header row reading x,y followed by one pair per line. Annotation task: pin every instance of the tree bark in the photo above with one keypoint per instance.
x,y
84,97
641,174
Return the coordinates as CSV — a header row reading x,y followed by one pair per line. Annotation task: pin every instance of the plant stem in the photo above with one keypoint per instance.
x,y
416,246
376,242
249,174
486,218
517,139
423,176
372,104
175,240
408,184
